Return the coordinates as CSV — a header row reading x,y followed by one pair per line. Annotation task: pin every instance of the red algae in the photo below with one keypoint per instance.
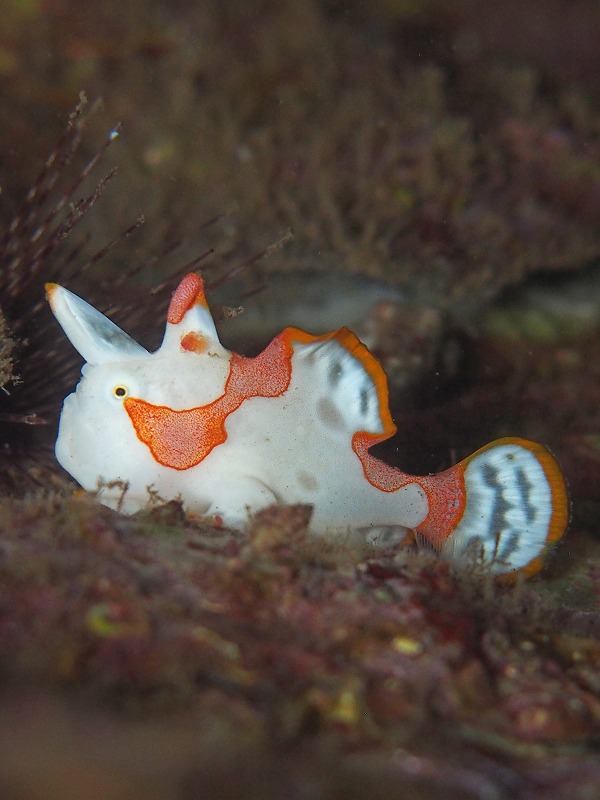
x,y
308,639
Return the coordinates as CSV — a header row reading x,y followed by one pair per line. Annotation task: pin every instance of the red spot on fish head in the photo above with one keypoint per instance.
x,y
193,342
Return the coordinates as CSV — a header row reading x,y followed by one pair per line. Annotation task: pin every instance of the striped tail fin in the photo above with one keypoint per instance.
x,y
504,506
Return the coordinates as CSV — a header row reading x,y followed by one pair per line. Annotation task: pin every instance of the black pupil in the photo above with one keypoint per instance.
x,y
120,391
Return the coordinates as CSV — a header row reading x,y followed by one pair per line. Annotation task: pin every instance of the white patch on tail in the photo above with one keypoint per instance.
x,y
508,510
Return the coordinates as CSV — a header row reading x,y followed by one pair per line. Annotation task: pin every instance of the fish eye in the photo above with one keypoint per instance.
x,y
120,391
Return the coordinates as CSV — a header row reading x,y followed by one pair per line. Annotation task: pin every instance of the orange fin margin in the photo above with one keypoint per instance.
x,y
496,483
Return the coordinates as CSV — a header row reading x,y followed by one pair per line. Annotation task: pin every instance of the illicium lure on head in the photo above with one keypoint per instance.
x,y
230,435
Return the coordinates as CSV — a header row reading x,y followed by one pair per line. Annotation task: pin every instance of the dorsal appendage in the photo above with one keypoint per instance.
x,y
229,435
92,334
189,322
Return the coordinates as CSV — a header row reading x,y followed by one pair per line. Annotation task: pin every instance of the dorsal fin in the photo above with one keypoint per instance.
x,y
355,391
190,325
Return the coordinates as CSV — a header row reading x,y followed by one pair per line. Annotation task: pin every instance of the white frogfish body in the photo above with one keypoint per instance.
x,y
229,435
